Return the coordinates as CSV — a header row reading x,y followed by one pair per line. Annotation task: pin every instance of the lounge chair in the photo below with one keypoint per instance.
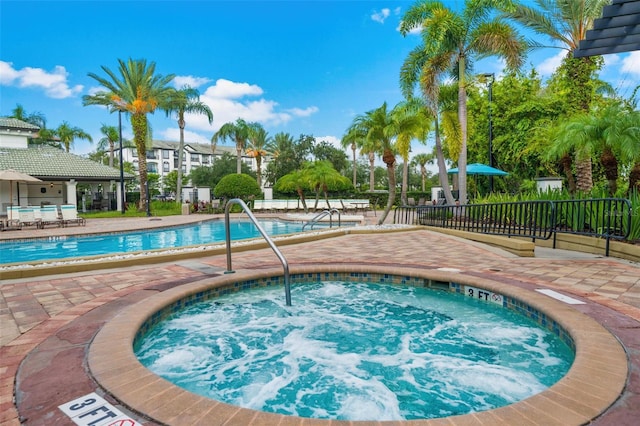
x,y
28,217
50,216
70,215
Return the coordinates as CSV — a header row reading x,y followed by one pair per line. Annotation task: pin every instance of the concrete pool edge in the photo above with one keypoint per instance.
x,y
594,382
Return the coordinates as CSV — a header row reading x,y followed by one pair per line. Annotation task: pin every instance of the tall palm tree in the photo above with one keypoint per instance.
x,y
368,147
422,160
409,120
566,22
259,142
108,141
376,125
451,40
138,91
351,140
237,132
185,100
68,134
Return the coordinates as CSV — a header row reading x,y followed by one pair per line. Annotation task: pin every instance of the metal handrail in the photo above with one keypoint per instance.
x,y
608,218
322,214
227,229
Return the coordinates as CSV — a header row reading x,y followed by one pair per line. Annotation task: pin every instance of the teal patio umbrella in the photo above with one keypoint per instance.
x,y
478,169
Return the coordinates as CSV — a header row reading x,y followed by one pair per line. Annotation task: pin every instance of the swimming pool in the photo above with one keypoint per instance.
x,y
68,247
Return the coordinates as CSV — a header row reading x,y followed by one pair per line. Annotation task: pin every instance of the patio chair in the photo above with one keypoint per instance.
x,y
28,217
50,216
70,215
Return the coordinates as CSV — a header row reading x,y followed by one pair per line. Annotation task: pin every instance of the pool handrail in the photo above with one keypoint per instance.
x,y
322,214
227,230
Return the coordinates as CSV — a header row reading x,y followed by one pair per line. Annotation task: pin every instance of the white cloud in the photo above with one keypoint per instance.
x,y
230,89
53,83
188,80
173,134
549,65
299,112
230,100
381,16
631,63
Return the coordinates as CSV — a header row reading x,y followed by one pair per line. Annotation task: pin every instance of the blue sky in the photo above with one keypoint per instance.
x,y
301,67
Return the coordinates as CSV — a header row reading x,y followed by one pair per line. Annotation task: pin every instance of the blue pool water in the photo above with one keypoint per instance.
x,y
355,351
210,232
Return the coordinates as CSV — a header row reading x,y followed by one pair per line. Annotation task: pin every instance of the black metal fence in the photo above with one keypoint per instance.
x,y
608,218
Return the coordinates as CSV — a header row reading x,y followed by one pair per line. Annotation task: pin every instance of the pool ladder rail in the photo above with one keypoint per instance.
x,y
227,229
322,215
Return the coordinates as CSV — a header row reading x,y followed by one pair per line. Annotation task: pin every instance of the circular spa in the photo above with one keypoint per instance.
x,y
353,346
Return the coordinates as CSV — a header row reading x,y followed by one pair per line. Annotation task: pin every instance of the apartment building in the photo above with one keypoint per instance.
x,y
162,158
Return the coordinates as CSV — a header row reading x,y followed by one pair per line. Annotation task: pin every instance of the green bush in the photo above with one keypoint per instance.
x,y
240,186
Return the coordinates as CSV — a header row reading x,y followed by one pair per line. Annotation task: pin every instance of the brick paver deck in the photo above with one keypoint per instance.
x,y
47,323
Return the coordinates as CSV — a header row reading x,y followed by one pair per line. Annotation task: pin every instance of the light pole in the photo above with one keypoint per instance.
x,y
490,79
122,195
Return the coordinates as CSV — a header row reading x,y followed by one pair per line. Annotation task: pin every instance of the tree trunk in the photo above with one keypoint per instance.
x,y
462,116
583,174
139,125
405,181
390,160
634,180
355,169
238,158
112,148
610,164
442,167
372,168
181,125
566,163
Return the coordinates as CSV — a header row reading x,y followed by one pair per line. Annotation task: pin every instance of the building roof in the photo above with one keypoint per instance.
x,y
617,31
194,147
15,124
50,163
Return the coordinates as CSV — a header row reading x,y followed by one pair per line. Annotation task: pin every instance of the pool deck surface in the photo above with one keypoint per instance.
x,y
48,323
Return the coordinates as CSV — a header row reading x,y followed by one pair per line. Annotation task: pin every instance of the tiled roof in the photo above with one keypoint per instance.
x,y
12,123
52,163
617,31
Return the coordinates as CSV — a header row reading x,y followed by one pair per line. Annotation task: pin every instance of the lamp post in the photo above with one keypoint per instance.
x,y
122,195
490,79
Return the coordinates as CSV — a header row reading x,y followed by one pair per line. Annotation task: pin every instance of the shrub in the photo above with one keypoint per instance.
x,y
237,186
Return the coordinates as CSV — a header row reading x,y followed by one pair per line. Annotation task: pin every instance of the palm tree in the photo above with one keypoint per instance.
x,y
451,40
259,142
351,140
138,91
322,177
185,100
239,133
68,134
35,118
409,120
297,181
421,160
376,126
368,147
566,22
111,136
